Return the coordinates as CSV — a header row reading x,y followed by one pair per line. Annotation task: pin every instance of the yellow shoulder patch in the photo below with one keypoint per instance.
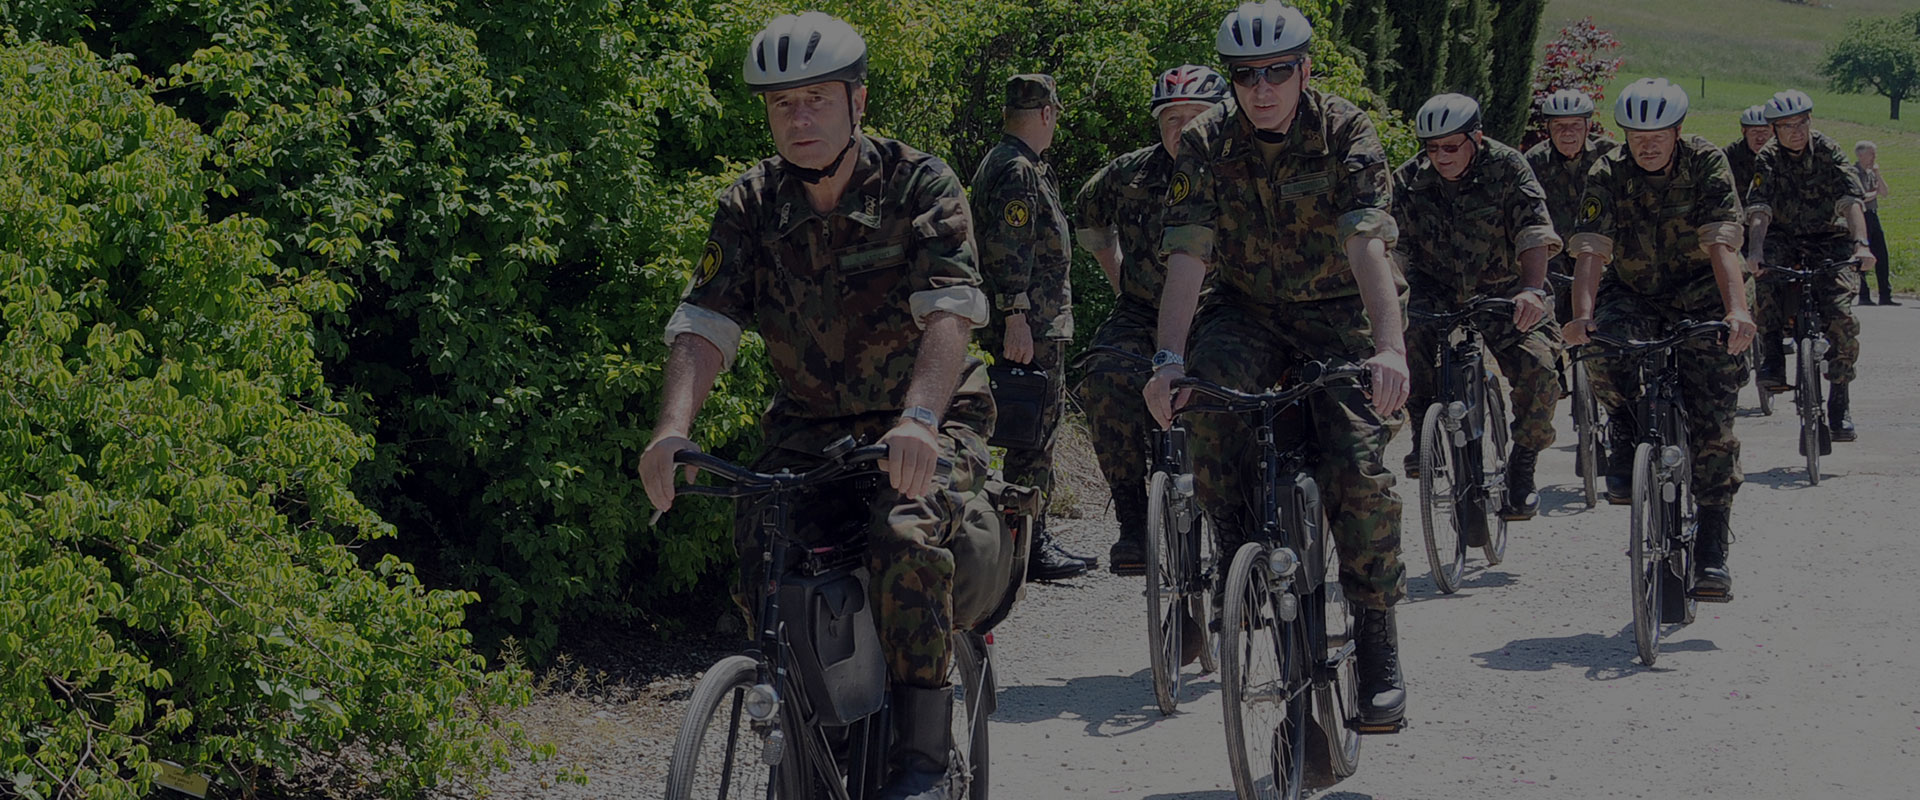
x,y
709,264
1590,211
1017,214
1178,189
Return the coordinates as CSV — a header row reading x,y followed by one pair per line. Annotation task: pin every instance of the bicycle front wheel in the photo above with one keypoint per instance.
x,y
1263,679
1811,409
721,752
1586,425
1164,583
1646,556
1437,479
1493,469
1760,389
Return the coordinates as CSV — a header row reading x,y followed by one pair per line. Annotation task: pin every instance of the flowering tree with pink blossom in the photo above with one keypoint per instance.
x,y
1579,58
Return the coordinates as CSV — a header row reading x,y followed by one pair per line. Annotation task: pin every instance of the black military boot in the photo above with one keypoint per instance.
x,y
1522,501
1128,556
1047,562
922,745
1839,416
1712,581
1620,448
1773,363
1383,692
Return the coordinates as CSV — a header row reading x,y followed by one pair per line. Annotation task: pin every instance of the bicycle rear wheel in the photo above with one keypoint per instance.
x,y
721,753
1164,583
1586,425
1646,556
1807,397
1493,469
1437,479
1760,389
973,702
1263,682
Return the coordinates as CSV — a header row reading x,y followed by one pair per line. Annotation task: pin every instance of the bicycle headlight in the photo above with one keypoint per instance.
x,y
1282,561
1670,456
1820,346
1457,410
761,702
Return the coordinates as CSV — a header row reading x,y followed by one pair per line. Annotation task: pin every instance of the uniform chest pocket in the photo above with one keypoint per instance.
x,y
1309,185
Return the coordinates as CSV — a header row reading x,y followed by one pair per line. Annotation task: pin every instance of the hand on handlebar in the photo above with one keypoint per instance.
x,y
1387,371
912,453
1161,399
656,470
1863,258
1528,309
1578,331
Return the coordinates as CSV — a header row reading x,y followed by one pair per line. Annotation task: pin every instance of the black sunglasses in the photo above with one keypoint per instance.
x,y
1276,74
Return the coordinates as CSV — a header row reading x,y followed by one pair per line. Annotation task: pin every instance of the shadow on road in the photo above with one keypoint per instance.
x,y
1227,794
1477,577
1790,478
1565,500
1604,657
1110,705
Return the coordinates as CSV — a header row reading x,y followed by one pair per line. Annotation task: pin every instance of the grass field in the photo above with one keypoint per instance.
x,y
1744,51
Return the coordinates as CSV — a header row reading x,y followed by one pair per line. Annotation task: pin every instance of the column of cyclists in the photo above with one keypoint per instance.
x,y
1295,292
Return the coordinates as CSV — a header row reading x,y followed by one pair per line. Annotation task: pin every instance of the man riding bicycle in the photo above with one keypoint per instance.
x,y
1806,201
1282,191
1119,212
1662,215
852,256
1473,222
1561,164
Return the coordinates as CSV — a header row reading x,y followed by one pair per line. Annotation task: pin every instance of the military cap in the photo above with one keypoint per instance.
x,y
1032,90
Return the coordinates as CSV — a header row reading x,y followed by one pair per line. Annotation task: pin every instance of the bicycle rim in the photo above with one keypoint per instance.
x,y
1587,426
1646,541
970,708
1261,669
1494,460
720,752
1163,593
1337,703
1437,479
1810,410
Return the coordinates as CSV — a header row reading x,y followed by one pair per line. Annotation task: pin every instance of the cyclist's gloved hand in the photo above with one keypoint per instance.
x,y
912,452
1577,331
1740,331
1388,371
1528,309
656,470
1160,397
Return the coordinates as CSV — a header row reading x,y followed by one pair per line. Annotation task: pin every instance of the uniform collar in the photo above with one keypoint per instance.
x,y
860,202
1307,136
1019,145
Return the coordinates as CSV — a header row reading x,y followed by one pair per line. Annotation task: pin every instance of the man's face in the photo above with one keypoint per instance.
x,y
1267,105
1569,134
1794,132
1451,155
1757,136
1172,119
1653,150
1866,156
812,124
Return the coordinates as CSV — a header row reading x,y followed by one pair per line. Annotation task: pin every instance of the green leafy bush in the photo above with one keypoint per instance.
x,y
174,484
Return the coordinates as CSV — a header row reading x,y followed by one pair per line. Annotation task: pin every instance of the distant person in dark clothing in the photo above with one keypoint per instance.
x,y
1866,166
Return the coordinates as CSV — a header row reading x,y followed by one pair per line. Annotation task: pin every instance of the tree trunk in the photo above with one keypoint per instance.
x,y
1896,107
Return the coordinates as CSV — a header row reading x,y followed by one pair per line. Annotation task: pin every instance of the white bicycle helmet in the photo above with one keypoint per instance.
x,y
1446,115
799,50
1650,104
1754,117
1789,103
1187,83
1262,30
1567,103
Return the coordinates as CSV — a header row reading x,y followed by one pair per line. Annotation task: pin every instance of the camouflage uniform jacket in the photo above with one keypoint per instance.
x,y
1565,179
1654,230
1805,196
1025,254
1467,235
839,298
1278,234
1741,158
1124,202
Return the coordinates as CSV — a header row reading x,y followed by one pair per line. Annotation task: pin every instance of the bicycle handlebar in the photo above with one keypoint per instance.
x,y
1315,376
1604,345
743,482
1475,306
1790,275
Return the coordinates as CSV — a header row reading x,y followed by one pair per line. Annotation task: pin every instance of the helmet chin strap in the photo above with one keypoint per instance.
x,y
815,176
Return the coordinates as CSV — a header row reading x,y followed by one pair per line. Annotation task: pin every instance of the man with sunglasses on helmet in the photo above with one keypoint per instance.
x,y
1806,202
1474,222
1561,164
1662,220
1025,259
852,256
1119,212
1279,202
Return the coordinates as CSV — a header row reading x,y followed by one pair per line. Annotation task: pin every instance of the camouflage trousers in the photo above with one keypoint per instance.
x,y
1034,467
1247,347
1710,381
911,578
1111,395
1530,362
1780,302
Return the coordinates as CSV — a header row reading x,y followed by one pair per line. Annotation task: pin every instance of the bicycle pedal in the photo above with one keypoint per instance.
x,y
1711,595
1376,729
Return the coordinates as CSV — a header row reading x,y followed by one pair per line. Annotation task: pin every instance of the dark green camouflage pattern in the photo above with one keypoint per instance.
x,y
1835,295
1742,160
1654,221
1127,199
1565,182
1801,195
1464,238
1111,396
1249,347
1025,249
1710,382
1276,232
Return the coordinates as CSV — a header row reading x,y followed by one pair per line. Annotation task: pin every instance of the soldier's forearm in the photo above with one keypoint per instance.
x,y
1728,273
1586,283
1857,220
1109,258
1533,267
692,365
1757,240
936,368
1179,299
1374,272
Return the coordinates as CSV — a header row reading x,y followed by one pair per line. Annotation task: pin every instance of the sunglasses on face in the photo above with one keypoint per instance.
x,y
1436,148
1276,74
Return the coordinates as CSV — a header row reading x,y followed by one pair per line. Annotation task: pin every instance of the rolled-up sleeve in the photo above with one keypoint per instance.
x,y
713,326
964,301
1727,233
945,263
1598,244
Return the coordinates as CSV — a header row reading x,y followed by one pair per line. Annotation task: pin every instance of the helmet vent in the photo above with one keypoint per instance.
x,y
1256,29
785,41
813,42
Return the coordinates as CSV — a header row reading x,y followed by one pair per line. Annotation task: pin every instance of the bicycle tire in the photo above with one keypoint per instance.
x,y
1760,389
1201,610
1337,702
1249,630
1436,502
973,703
1586,425
740,774
1808,399
1494,469
1645,558
1163,585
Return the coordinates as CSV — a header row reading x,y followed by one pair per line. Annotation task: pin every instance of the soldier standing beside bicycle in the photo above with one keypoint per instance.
x,y
1806,202
1473,222
1662,213
1119,210
1283,192
852,257
1025,259
1561,164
